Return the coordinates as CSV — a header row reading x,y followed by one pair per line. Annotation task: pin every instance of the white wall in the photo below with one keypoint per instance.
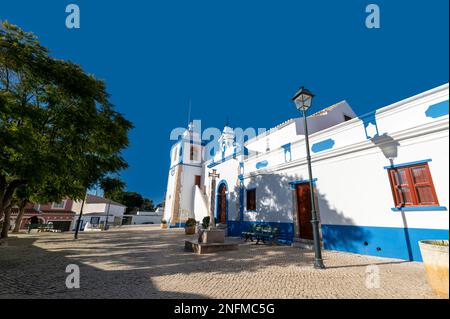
x,y
352,183
353,186
201,205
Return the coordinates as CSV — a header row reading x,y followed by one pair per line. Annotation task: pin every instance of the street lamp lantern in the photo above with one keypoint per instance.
x,y
303,99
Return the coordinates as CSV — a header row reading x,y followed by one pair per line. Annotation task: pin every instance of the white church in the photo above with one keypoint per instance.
x,y
381,179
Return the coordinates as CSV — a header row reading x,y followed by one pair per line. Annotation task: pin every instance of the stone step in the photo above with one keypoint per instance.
x,y
202,248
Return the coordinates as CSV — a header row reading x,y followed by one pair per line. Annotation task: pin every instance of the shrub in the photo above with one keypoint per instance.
x,y
163,221
205,222
191,222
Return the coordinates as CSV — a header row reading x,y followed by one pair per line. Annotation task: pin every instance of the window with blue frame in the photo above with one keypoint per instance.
x,y
413,186
95,220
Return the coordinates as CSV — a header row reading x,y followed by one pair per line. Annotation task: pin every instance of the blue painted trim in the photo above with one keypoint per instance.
x,y
323,145
177,225
287,150
367,119
241,201
301,181
391,242
419,208
437,110
286,229
262,164
408,164
241,170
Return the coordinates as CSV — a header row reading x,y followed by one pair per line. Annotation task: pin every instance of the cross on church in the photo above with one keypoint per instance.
x,y
213,175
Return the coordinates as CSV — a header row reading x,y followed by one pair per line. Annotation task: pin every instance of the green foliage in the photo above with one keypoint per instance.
x,y
147,205
132,200
190,222
59,134
112,187
205,222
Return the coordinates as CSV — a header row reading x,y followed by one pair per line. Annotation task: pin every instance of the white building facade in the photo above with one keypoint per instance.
x,y
381,179
96,211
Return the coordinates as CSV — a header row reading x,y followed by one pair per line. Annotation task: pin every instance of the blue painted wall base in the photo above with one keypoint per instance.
x,y
286,230
389,242
177,225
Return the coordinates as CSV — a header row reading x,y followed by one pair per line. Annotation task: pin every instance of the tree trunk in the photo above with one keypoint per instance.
x,y
6,223
19,217
6,193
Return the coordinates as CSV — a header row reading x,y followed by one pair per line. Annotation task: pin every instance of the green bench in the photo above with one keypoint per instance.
x,y
264,233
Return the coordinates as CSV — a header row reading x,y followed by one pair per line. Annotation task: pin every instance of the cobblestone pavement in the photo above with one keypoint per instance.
x,y
147,262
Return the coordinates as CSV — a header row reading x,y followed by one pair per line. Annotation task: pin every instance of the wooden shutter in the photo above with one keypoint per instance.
x,y
413,186
424,191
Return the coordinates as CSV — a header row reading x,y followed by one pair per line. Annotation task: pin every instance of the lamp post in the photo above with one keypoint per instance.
x,y
303,100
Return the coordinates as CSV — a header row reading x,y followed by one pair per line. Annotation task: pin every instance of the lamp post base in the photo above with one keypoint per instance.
x,y
318,264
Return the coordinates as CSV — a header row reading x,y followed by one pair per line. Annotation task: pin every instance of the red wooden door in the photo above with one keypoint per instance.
x,y
198,180
223,204
304,211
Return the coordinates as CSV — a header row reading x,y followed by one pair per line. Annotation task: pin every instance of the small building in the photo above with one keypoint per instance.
x,y
143,217
59,214
95,211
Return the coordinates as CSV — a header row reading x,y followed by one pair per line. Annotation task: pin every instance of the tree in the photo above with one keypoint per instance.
x,y
58,130
21,199
147,205
112,187
132,200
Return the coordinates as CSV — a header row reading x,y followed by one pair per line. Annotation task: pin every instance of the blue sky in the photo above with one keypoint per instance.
x,y
243,59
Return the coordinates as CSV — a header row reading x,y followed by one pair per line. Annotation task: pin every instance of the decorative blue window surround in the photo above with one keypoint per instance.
x,y
301,181
370,119
408,164
419,208
323,145
262,164
287,152
437,110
